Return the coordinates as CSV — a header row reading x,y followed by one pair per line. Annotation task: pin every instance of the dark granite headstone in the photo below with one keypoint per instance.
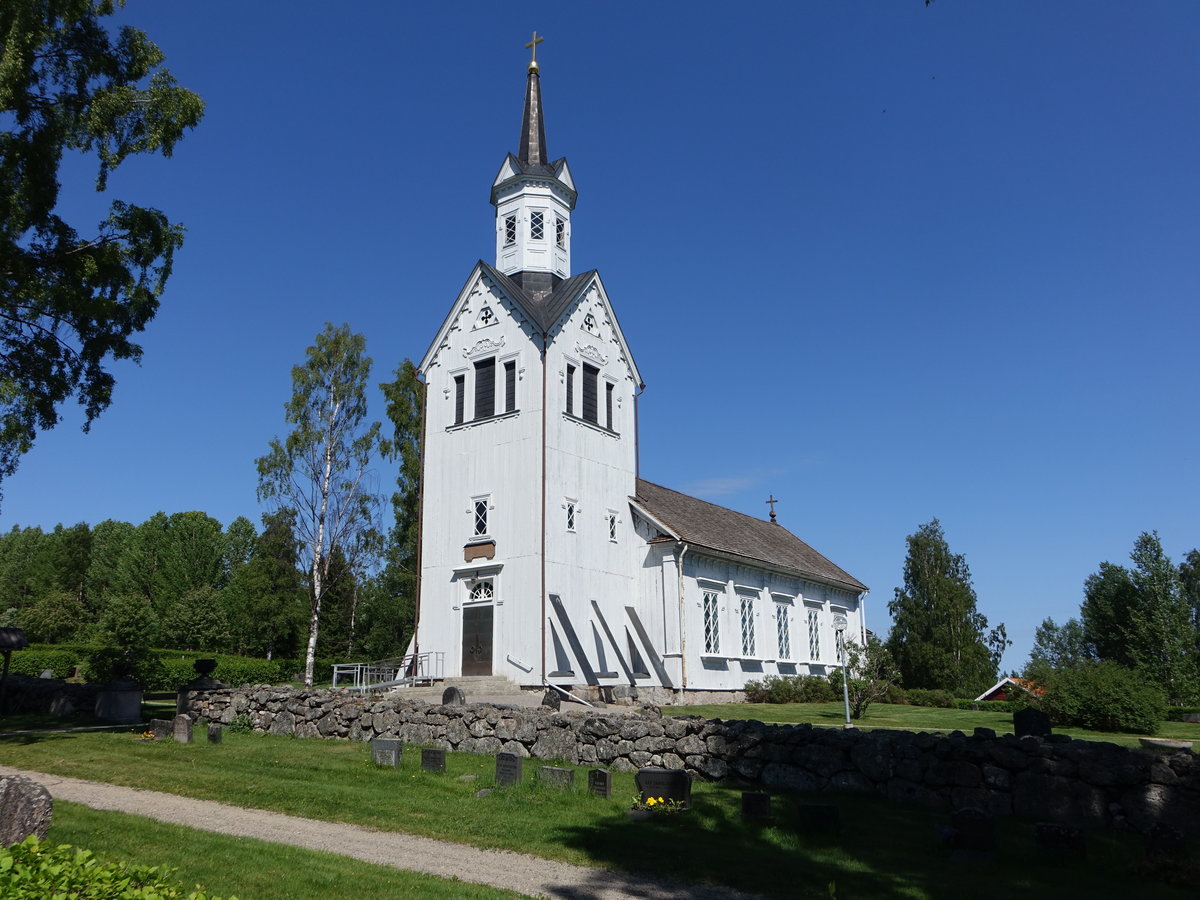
x,y
214,733
552,699
161,728
508,769
453,696
1060,843
25,809
669,784
600,782
181,729
1030,721
973,833
433,760
386,751
555,776
756,806
819,818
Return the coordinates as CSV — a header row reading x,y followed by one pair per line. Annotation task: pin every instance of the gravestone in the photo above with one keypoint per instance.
x,y
25,809
600,782
1060,843
453,696
386,751
61,707
553,775
973,834
756,806
1030,721
433,760
552,700
46,673
161,728
119,702
508,769
181,729
669,784
215,732
819,818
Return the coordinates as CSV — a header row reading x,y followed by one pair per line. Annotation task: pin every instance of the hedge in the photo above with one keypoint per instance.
x,y
34,662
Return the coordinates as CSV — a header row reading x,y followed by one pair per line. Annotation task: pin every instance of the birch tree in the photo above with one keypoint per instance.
x,y
319,473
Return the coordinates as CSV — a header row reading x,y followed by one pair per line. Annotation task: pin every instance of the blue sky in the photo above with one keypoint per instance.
x,y
886,262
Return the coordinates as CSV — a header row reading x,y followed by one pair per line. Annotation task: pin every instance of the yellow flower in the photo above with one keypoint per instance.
x,y
651,801
661,800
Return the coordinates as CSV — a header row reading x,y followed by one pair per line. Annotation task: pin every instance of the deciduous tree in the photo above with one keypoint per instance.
x,y
319,472
938,638
69,303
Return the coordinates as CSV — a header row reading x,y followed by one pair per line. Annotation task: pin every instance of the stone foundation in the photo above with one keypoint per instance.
x,y
1055,779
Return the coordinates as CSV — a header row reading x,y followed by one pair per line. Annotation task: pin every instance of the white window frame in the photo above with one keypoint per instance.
x,y
479,584
572,508
510,228
478,502
610,520
812,616
711,597
537,223
783,626
747,637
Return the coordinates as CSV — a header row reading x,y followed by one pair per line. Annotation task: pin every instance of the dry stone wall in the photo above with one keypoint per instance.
x,y
1054,779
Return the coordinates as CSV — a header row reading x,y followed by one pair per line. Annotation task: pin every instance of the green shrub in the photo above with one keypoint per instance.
x,y
322,669
34,662
1104,696
1176,713
790,689
33,870
102,664
896,694
923,697
986,705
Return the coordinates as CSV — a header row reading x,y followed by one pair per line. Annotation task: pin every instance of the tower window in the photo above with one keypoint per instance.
x,y
510,385
460,388
611,519
608,405
485,388
571,390
591,377
570,515
537,227
510,230
712,624
480,506
560,233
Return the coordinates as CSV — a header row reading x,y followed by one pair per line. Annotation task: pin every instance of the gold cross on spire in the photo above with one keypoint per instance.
x,y
532,46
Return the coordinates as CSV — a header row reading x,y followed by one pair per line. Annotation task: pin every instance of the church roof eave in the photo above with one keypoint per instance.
x,y
730,533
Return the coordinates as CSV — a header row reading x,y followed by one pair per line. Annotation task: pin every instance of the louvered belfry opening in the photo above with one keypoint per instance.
x,y
591,377
485,388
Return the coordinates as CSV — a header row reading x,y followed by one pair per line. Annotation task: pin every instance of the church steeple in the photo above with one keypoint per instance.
x,y
533,199
533,128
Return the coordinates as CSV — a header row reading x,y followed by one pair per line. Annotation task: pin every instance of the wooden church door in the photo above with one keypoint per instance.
x,y
477,640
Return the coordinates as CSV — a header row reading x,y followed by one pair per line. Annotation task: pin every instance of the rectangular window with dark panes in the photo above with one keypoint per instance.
x,y
537,226
712,623
608,406
571,390
560,233
510,230
510,385
460,389
591,379
485,388
480,507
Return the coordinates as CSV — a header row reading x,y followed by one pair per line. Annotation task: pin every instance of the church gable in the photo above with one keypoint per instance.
x,y
481,320
585,327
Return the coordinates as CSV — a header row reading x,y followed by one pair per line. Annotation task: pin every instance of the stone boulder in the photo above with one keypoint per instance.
x,y
25,809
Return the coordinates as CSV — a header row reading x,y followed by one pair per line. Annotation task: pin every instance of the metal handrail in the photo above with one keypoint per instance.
x,y
398,671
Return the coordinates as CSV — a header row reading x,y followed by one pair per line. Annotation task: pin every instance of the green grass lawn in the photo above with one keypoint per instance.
x,y
910,718
881,850
229,866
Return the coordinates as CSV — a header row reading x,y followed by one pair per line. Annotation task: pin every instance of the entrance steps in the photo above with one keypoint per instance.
x,y
473,686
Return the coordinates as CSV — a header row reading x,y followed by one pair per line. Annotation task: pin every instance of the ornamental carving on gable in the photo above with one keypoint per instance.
x,y
591,352
487,345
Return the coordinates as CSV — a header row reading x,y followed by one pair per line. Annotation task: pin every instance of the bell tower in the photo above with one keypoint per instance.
x,y
534,199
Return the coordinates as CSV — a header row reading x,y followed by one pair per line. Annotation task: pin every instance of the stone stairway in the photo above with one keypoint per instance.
x,y
474,686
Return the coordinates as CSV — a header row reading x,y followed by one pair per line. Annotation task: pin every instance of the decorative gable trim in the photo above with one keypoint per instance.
x,y
591,352
483,347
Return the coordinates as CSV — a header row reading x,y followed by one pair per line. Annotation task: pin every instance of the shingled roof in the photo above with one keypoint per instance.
x,y
707,525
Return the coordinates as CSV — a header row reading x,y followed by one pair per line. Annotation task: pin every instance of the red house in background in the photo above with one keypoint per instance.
x,y
1011,688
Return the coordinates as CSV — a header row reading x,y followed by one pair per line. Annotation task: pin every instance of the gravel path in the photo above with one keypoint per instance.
x,y
530,875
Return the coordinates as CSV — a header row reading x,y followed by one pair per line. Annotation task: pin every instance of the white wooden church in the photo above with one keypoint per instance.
x,y
545,558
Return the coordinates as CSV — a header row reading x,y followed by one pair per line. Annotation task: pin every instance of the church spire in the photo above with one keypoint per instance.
x,y
533,197
532,145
